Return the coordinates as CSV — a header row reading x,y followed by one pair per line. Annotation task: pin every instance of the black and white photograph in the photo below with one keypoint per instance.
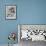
x,y
10,11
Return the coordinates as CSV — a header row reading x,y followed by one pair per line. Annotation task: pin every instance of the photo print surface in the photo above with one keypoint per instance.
x,y
10,11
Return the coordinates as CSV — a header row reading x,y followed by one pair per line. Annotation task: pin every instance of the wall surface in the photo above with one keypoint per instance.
x,y
28,12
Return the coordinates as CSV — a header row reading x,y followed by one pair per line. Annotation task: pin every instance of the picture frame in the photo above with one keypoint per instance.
x,y
10,12
33,31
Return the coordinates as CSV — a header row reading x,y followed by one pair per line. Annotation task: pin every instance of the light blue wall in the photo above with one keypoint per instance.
x,y
33,12
28,12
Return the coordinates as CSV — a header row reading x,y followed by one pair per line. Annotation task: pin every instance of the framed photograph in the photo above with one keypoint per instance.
x,y
33,32
10,11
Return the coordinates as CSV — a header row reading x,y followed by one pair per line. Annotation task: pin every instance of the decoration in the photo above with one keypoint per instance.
x,y
11,37
10,12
